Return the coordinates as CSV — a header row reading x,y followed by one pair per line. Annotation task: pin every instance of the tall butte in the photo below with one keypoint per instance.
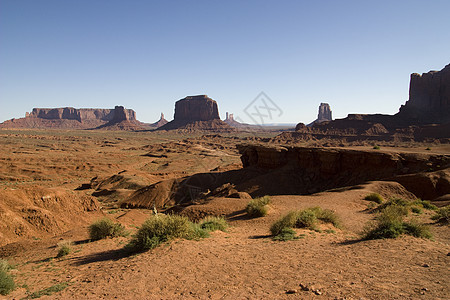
x,y
429,98
196,113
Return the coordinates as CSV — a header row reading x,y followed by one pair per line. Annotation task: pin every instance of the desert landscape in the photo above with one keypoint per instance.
x,y
57,182
224,150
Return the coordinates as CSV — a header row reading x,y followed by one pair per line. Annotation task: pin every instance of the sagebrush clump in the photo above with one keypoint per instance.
x,y
214,223
390,223
6,280
105,228
65,247
161,228
442,215
258,207
374,197
307,218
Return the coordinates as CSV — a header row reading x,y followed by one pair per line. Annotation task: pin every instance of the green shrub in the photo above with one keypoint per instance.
x,y
390,224
286,234
197,232
376,147
417,230
307,218
288,221
65,247
401,204
105,228
214,223
416,210
374,197
425,204
159,229
258,207
6,280
442,215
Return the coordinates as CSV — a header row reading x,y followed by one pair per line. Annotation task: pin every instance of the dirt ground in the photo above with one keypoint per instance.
x,y
242,263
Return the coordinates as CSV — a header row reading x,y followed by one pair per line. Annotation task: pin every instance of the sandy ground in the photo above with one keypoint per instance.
x,y
242,263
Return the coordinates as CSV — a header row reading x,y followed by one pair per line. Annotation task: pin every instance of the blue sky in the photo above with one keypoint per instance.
x,y
145,55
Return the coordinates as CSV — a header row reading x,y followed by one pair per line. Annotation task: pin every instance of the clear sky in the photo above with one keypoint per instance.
x,y
145,55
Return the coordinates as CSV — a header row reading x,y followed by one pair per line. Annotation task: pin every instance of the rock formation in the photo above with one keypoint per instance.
x,y
426,115
162,121
429,97
73,118
196,113
324,114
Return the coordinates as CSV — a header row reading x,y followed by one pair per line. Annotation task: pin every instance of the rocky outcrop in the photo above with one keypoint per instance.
x,y
196,113
317,169
162,121
196,108
73,118
429,103
429,97
82,114
324,114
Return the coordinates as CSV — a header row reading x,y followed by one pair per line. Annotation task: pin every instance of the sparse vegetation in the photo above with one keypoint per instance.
x,y
258,207
428,148
6,280
49,291
65,247
425,204
374,197
376,147
286,234
416,210
442,215
390,224
105,228
307,218
214,223
161,228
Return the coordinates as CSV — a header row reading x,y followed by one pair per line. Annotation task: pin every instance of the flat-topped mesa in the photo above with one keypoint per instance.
x,y
196,113
196,108
119,113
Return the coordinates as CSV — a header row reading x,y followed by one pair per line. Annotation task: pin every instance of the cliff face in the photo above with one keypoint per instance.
x,y
196,108
70,113
318,169
73,118
196,113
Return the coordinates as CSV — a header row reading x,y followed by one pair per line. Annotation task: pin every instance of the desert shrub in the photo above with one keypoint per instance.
x,y
159,229
197,232
286,234
418,230
65,247
258,207
376,147
214,223
288,221
327,216
105,228
401,204
416,210
307,218
6,280
442,215
390,224
425,204
374,197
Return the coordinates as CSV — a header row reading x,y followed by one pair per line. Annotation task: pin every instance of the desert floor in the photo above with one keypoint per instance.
x,y
242,263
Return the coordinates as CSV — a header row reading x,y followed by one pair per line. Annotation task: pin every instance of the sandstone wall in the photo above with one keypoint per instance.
x,y
196,108
82,114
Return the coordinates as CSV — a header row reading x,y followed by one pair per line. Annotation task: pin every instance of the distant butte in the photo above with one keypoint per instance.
x,y
196,113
